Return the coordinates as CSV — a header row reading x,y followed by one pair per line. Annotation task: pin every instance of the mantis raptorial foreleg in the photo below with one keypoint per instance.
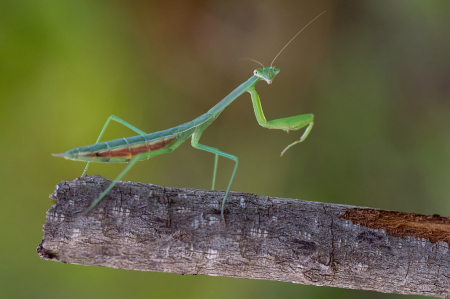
x,y
195,144
288,123
119,120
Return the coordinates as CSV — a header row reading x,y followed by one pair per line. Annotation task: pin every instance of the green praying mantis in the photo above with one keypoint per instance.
x,y
145,146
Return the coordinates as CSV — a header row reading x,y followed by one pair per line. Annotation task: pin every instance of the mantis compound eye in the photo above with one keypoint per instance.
x,y
255,72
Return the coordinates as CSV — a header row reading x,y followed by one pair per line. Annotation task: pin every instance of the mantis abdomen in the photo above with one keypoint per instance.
x,y
124,149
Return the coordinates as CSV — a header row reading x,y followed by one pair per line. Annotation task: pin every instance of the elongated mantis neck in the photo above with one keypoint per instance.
x,y
233,95
265,73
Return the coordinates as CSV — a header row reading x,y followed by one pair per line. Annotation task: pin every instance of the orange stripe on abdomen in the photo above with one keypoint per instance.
x,y
127,151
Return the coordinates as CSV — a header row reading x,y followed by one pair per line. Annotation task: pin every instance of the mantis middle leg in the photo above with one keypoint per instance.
x,y
195,144
119,120
288,123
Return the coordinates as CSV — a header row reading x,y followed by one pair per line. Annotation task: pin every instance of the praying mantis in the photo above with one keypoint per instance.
x,y
145,146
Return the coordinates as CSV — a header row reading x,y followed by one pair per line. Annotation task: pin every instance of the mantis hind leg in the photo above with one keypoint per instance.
x,y
119,120
195,144
130,164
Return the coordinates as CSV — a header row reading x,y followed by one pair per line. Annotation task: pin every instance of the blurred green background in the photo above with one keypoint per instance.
x,y
376,75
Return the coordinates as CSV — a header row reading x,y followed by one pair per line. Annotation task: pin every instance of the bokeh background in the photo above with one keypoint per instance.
x,y
376,75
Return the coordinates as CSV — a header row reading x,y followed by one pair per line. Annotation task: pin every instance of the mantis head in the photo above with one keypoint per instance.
x,y
267,73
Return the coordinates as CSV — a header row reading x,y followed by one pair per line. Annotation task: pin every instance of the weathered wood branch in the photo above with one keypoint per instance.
x,y
152,228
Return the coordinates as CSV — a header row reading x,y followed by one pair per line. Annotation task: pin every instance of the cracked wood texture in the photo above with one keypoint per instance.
x,y
151,228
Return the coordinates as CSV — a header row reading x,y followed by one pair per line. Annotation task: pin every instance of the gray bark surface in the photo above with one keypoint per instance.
x,y
152,228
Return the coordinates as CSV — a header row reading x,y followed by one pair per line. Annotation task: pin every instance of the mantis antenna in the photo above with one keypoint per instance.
x,y
255,61
296,36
